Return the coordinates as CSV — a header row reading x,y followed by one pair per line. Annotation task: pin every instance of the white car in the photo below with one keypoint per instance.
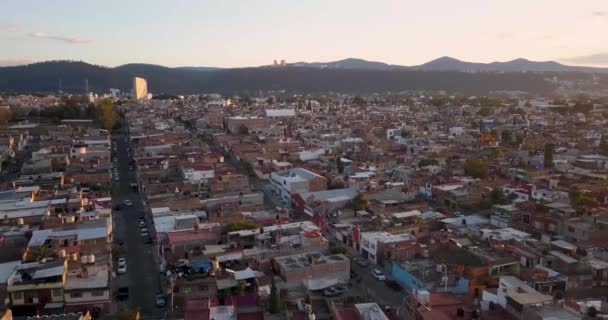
x,y
378,275
142,224
127,203
122,265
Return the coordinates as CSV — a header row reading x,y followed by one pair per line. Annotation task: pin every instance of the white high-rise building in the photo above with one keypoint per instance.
x,y
140,88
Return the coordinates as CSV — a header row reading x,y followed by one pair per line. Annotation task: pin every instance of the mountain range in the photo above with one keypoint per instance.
x,y
345,76
451,64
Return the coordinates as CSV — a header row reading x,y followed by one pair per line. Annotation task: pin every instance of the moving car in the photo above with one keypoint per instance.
x,y
127,203
361,261
123,293
378,275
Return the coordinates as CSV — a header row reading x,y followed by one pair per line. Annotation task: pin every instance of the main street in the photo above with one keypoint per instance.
x,y
142,276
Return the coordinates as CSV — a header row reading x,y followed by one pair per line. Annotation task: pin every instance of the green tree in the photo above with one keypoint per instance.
x,y
476,167
427,162
240,224
276,302
578,198
340,165
485,112
359,202
604,145
497,196
506,137
338,249
549,151
359,101
107,114
243,130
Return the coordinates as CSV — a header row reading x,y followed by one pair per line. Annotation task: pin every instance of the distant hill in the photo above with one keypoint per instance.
x,y
199,68
451,64
350,63
45,77
517,65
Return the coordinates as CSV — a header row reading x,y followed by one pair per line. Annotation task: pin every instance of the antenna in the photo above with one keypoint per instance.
x,y
86,85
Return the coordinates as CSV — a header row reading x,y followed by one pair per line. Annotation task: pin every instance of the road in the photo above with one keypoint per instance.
x,y
373,288
142,275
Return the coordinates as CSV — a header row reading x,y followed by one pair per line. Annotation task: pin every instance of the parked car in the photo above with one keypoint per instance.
x,y
127,203
378,275
123,293
142,223
161,300
393,285
333,291
122,269
361,261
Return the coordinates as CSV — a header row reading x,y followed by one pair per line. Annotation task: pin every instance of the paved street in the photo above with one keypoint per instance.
x,y
142,275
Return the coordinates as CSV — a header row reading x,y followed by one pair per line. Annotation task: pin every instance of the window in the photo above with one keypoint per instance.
x,y
526,219
97,293
76,295
18,295
571,229
57,292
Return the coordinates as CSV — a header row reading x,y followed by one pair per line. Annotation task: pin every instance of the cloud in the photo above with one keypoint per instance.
x,y
594,59
14,62
70,40
600,13
9,27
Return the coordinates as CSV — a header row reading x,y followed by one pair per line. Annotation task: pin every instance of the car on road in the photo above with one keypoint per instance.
x,y
144,233
378,275
142,224
393,285
122,269
161,300
361,261
116,179
333,291
127,203
123,293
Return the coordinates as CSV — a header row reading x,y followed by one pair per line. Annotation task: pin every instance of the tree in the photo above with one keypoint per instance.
x,y
497,196
476,167
485,112
506,137
276,302
43,253
128,314
578,198
549,151
107,114
6,116
427,162
340,165
240,224
243,130
338,249
359,202
604,145
57,165
592,312
359,101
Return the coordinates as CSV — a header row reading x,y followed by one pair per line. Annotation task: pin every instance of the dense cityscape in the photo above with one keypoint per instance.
x,y
297,206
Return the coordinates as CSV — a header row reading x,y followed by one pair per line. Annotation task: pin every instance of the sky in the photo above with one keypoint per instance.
x,y
241,33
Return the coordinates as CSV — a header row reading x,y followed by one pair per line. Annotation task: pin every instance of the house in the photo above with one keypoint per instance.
x,y
514,295
296,180
36,286
87,287
314,270
374,244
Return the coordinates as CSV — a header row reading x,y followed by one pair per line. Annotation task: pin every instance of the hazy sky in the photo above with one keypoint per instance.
x,y
231,33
